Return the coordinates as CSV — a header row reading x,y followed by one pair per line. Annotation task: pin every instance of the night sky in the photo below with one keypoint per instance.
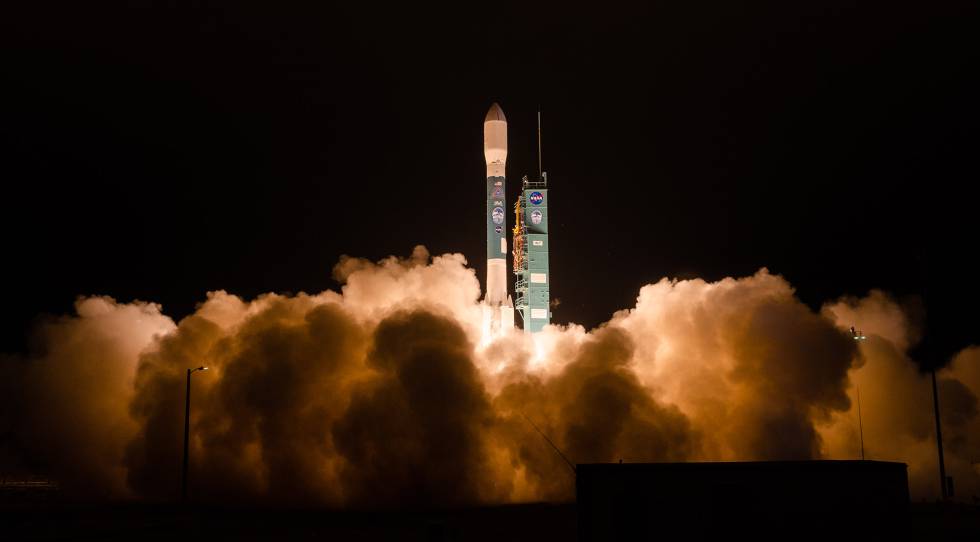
x,y
153,151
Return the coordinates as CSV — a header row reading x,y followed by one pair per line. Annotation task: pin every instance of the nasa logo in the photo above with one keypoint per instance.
x,y
497,215
536,198
535,217
498,229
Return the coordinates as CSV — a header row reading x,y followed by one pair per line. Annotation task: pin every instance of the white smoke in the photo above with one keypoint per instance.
x,y
387,392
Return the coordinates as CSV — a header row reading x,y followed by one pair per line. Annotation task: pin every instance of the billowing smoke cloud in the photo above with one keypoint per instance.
x,y
897,405
65,409
386,393
744,360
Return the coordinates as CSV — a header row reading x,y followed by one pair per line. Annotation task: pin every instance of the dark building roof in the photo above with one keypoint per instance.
x,y
624,501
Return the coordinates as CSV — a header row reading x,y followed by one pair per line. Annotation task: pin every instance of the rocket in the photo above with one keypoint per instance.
x,y
498,308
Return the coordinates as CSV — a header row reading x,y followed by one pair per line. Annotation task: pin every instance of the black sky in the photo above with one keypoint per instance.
x,y
155,151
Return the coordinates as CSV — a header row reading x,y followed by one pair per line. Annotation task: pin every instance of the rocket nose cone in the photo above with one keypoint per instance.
x,y
495,113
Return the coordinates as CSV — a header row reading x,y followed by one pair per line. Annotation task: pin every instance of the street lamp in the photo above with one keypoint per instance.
x,y
858,336
944,481
187,431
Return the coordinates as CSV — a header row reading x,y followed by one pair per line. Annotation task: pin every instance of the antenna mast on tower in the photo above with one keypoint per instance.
x,y
540,170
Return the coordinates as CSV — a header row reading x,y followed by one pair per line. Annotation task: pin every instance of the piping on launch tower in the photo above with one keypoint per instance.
x,y
498,308
532,282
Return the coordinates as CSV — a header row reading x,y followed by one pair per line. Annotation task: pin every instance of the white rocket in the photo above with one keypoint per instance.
x,y
498,308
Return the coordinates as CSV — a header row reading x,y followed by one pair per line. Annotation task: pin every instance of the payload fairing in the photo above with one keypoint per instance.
x,y
498,308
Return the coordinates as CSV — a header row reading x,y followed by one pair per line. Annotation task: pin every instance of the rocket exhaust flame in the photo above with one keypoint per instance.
x,y
382,395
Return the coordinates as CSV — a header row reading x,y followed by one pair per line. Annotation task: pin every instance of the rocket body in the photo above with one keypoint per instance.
x,y
498,307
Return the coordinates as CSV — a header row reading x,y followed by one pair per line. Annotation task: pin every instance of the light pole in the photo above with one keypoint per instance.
x,y
187,431
859,336
939,438
860,422
923,277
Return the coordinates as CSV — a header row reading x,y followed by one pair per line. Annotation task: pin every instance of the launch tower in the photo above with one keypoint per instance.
x,y
533,280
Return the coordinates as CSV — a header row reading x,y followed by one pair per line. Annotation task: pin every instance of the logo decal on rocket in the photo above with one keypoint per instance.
x,y
535,217
498,193
498,215
536,198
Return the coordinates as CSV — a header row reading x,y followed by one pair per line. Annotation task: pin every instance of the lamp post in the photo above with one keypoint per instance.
x,y
943,481
939,439
859,336
860,422
187,431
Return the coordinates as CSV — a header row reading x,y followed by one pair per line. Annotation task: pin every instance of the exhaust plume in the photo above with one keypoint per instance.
x,y
387,393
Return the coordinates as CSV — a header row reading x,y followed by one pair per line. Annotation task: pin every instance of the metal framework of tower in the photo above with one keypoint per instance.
x,y
533,277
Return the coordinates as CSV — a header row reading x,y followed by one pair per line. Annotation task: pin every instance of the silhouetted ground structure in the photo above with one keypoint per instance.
x,y
144,522
626,501
39,511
